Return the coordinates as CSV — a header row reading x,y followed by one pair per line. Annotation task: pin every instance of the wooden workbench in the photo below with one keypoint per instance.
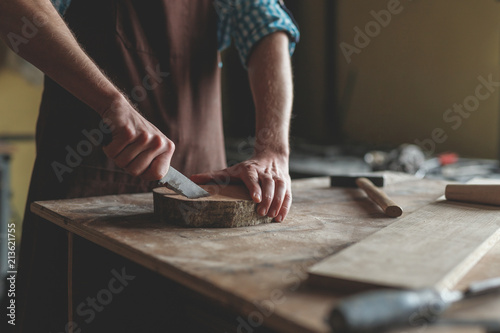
x,y
263,265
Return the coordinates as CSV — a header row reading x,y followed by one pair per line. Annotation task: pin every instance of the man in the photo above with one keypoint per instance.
x,y
147,74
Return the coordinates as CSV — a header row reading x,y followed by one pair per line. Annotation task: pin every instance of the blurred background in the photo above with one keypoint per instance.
x,y
387,92
371,93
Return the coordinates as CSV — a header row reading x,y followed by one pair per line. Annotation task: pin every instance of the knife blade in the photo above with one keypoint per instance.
x,y
180,184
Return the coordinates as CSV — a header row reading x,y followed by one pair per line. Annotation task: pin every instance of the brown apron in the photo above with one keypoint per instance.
x,y
163,55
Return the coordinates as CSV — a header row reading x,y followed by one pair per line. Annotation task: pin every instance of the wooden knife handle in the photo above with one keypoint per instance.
x,y
389,207
483,194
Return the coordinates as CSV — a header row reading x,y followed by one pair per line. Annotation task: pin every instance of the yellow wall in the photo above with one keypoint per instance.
x,y
19,101
427,59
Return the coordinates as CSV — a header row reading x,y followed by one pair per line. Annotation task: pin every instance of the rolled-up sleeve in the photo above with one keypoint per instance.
x,y
248,21
61,5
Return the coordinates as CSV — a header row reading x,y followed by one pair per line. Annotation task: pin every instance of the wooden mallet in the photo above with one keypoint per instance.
x,y
369,185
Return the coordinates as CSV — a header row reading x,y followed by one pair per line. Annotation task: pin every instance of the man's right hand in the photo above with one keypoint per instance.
x,y
137,146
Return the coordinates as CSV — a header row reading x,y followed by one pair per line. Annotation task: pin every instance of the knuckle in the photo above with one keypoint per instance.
x,y
143,137
248,167
161,142
158,142
279,181
267,197
128,133
170,146
287,203
268,179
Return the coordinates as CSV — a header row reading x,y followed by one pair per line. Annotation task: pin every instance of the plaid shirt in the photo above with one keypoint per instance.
x,y
248,21
244,21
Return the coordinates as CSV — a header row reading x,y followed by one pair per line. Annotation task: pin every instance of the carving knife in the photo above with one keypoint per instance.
x,y
180,184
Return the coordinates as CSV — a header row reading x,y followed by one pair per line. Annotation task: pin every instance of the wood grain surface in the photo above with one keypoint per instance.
x,y
433,247
228,206
252,269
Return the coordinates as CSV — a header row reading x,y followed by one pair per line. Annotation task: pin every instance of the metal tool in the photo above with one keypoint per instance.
x,y
179,183
377,311
369,183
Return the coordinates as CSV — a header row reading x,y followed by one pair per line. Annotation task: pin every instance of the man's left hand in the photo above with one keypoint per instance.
x,y
267,179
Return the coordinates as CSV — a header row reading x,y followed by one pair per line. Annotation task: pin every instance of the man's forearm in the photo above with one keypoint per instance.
x,y
137,146
266,174
54,50
270,75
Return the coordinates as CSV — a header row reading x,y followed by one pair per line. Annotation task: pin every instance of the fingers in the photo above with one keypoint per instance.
x,y
267,186
137,146
251,180
147,158
285,207
158,167
124,137
128,153
279,195
269,189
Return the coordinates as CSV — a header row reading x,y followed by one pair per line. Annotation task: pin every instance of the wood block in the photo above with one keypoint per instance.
x,y
433,247
227,206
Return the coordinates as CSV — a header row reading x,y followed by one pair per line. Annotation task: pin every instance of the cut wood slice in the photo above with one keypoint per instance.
x,y
227,206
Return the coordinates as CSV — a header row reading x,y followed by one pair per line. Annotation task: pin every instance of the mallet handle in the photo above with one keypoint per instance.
x,y
389,207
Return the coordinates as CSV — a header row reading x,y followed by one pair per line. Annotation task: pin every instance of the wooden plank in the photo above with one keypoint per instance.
x,y
433,247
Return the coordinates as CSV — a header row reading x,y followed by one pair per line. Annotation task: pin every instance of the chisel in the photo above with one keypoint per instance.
x,y
377,311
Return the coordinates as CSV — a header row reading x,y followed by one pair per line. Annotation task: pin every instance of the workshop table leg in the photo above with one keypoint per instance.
x,y
70,282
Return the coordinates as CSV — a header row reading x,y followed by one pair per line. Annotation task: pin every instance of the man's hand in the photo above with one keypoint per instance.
x,y
266,173
137,146
265,176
